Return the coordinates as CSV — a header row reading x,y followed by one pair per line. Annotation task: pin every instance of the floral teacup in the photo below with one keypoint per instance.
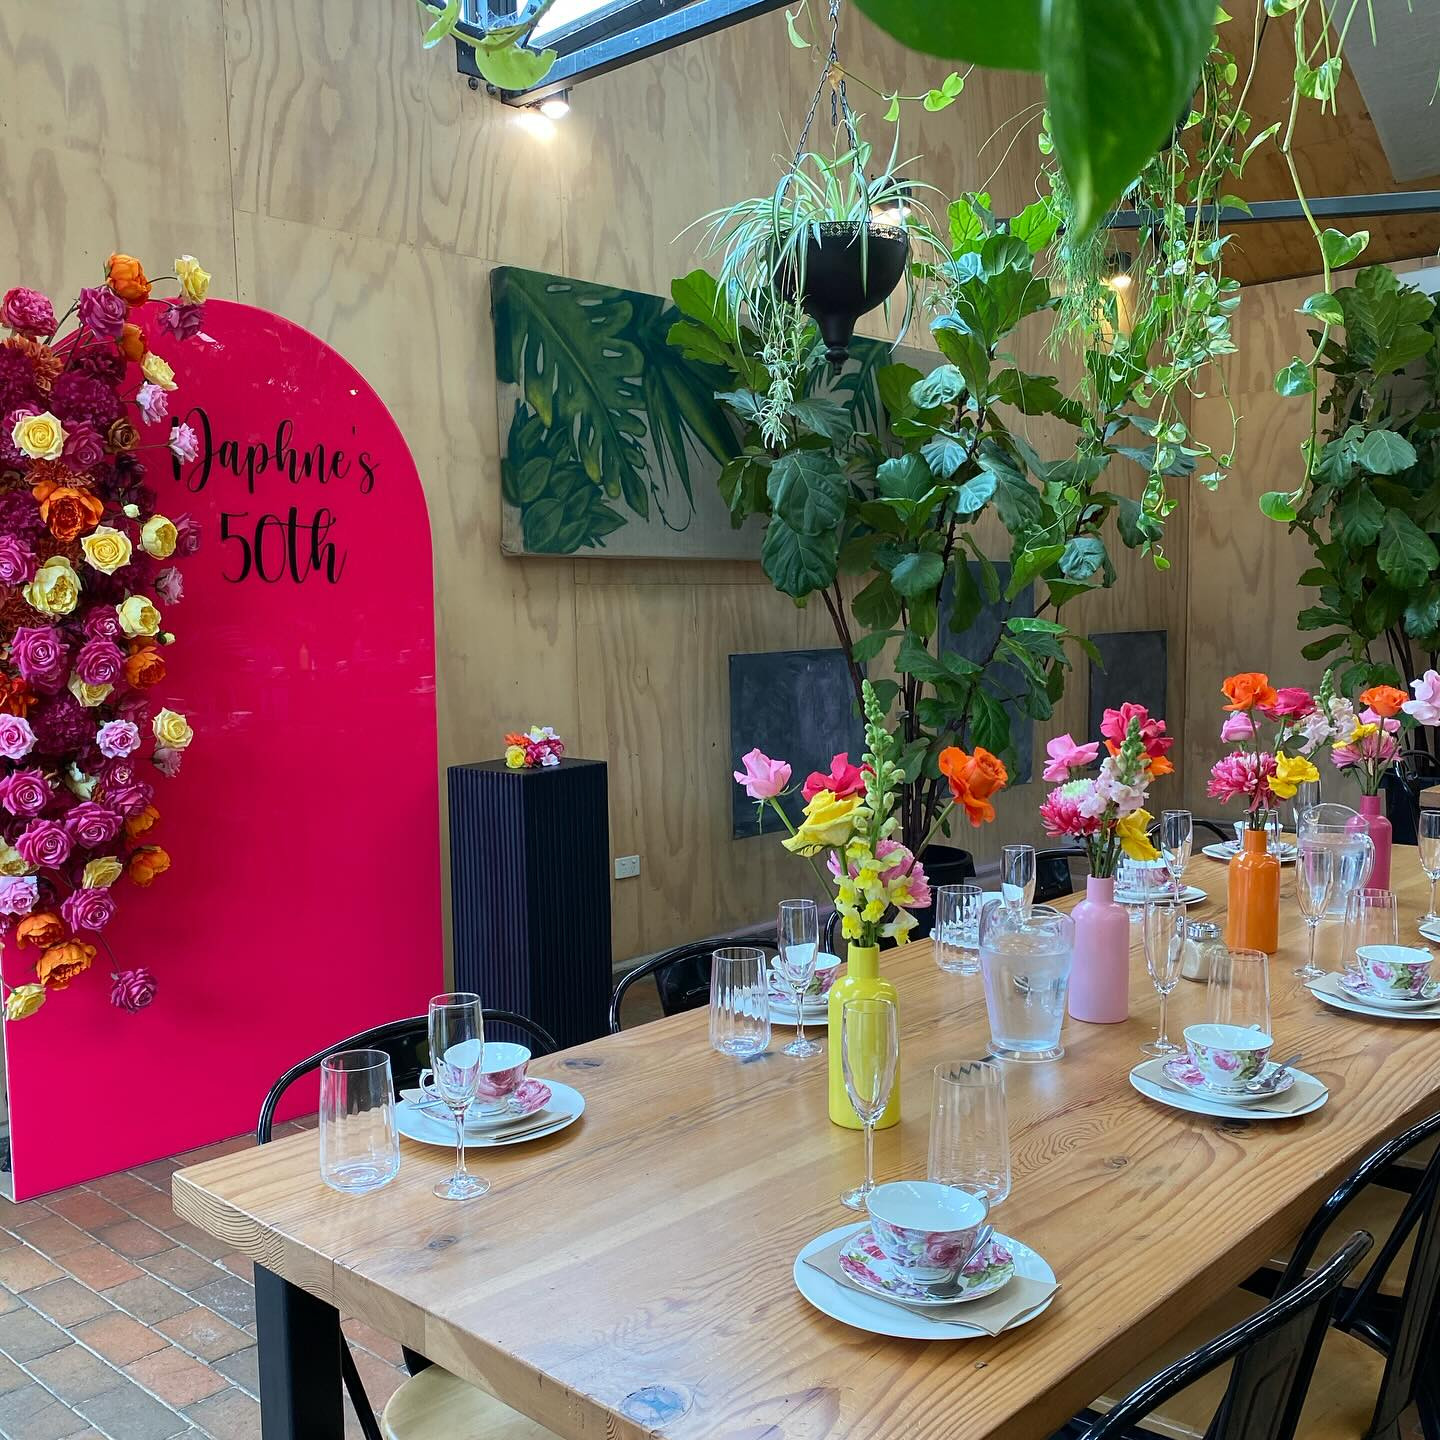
x,y
1228,1057
501,1075
1395,969
925,1230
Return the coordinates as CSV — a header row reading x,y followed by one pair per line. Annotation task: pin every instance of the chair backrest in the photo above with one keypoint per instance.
x,y
1274,1352
1414,771
406,1042
682,975
1410,1335
1222,830
1052,874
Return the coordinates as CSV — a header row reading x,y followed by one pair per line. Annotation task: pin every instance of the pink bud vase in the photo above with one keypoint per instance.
x,y
1100,972
1373,820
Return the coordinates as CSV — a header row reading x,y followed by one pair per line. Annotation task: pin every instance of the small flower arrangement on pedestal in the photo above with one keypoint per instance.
x,y
539,745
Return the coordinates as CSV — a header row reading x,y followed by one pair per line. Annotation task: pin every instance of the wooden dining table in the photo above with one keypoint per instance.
x,y
632,1275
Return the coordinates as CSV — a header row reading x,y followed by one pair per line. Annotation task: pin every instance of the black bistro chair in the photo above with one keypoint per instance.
x,y
407,1043
1053,879
1414,771
682,975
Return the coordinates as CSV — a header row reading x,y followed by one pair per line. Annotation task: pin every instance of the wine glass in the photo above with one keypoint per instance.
x,y
1177,835
1428,837
1238,991
1017,875
869,1049
457,1053
1163,925
969,1132
1372,917
1316,876
797,941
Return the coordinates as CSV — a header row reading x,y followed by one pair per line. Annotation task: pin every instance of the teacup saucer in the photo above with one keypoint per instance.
x,y
864,1262
1181,1072
532,1095
1355,983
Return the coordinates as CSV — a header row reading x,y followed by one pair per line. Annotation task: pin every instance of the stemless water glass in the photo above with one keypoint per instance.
x,y
1017,875
869,1050
969,1131
797,941
1177,835
957,928
1025,958
1164,930
457,1054
1317,874
1372,917
1238,992
739,1001
359,1144
1428,837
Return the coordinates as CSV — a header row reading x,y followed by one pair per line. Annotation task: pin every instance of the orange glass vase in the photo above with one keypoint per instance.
x,y
1253,921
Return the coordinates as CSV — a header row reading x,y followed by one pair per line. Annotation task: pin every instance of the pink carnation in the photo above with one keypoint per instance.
x,y
1242,775
1065,756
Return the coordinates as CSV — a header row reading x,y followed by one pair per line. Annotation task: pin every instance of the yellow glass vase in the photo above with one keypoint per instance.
x,y
861,981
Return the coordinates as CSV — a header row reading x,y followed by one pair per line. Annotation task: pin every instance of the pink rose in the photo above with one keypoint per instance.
x,y
17,739
187,535
182,321
1424,709
102,623
102,312
17,561
1291,702
118,774
100,662
153,402
1238,726
1065,756
169,586
184,442
92,825
44,844
84,448
167,761
88,909
133,989
129,799
25,792
27,312
117,738
18,894
41,656
763,778
843,780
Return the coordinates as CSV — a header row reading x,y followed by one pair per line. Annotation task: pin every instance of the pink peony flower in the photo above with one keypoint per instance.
x,y
17,739
1292,702
41,656
18,894
88,909
762,777
133,989
1061,813
1065,756
102,312
17,561
153,402
84,448
1424,709
92,825
1238,726
27,312
117,738
843,780
184,442
25,792
44,844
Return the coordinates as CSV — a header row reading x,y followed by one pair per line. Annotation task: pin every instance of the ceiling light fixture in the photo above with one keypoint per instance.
x,y
556,106
1118,264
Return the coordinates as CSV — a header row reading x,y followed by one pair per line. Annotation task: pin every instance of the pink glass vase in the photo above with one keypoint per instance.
x,y
1100,972
1373,820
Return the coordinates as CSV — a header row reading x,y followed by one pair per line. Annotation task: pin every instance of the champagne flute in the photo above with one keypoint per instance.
x,y
1428,837
457,1053
1177,835
869,1049
1163,925
797,941
1017,876
1316,876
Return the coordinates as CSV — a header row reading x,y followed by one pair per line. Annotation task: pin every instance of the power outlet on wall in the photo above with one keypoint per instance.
x,y
627,867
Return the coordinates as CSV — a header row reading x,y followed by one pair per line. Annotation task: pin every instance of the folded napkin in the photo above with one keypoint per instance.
x,y
1305,1091
1013,1301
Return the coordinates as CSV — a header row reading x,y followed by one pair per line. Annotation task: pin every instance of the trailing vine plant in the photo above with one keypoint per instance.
x,y
501,53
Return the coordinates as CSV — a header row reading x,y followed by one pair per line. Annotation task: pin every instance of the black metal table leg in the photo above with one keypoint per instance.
x,y
301,1397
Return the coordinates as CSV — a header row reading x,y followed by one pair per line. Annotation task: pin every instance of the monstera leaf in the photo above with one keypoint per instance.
x,y
561,509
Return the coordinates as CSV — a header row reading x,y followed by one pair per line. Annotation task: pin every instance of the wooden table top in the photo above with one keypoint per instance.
x,y
633,1274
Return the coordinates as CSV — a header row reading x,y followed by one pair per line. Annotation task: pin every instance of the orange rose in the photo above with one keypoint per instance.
x,y
973,780
41,930
1384,700
145,667
148,862
132,343
122,435
139,824
1160,765
126,277
1248,690
60,964
71,512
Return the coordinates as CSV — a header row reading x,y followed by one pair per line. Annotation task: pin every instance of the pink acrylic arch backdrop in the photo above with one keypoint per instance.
x,y
304,899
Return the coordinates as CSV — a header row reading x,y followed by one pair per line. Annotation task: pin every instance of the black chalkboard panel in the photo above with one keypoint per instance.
x,y
1134,669
795,705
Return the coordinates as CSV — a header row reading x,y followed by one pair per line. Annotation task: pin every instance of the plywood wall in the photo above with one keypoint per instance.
x,y
326,168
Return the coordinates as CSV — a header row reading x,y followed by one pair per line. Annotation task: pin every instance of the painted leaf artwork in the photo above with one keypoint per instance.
x,y
611,440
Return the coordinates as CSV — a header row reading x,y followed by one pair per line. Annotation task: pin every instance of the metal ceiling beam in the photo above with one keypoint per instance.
x,y
1325,207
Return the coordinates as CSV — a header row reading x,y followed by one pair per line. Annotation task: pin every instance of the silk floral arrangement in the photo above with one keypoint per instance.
x,y
539,745
86,565
1266,769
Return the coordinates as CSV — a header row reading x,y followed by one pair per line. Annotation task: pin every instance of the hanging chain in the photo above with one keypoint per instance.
x,y
839,103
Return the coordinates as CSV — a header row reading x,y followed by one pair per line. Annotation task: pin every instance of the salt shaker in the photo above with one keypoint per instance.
x,y
1203,942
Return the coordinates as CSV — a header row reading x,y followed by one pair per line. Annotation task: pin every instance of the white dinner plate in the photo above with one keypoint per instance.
x,y
880,1317
1196,1105
1189,895
1226,851
1431,931
1328,990
782,1012
566,1106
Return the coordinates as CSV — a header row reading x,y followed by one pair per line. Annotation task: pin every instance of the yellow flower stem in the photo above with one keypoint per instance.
x,y
809,859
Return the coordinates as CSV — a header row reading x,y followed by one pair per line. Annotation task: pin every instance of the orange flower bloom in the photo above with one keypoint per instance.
x,y
60,964
973,780
132,343
146,863
1384,700
1248,690
126,277
15,696
42,929
1160,765
145,667
139,824
71,512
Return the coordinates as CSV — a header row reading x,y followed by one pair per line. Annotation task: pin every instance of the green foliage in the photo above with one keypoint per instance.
x,y
501,54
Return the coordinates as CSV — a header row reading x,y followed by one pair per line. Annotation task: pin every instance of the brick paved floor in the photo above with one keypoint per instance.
x,y
118,1319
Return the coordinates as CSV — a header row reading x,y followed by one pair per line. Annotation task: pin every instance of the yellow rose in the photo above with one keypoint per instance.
x,y
107,549
41,437
89,695
11,861
828,823
23,1001
194,282
157,372
157,537
55,590
102,873
515,757
1290,772
172,730
138,616
1131,832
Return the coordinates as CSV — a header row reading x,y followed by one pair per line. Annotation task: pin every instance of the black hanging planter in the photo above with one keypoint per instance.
x,y
846,276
